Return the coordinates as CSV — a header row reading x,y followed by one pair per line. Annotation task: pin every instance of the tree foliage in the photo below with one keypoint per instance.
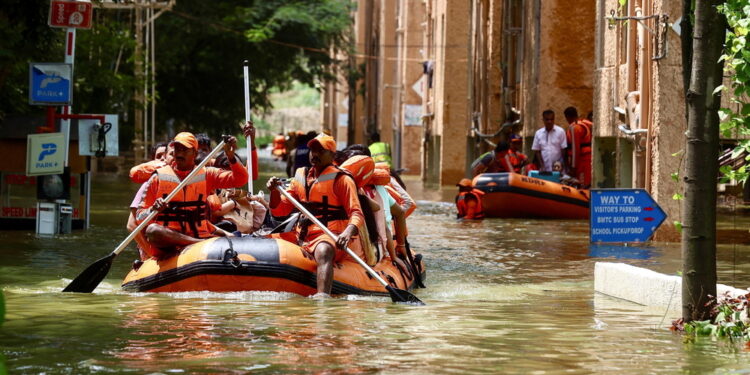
x,y
199,76
200,47
737,65
24,37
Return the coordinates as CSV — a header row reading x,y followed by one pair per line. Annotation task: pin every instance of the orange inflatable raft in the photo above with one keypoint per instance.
x,y
511,195
257,264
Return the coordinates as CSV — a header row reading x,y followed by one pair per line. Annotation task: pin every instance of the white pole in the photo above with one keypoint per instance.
x,y
247,118
70,53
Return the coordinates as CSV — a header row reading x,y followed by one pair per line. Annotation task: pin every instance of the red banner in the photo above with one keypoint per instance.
x,y
66,14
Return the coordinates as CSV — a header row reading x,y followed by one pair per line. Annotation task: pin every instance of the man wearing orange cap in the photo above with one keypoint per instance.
x,y
469,201
329,194
182,221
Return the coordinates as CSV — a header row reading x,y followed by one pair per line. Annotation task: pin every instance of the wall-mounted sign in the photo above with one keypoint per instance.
x,y
412,115
50,84
45,154
76,14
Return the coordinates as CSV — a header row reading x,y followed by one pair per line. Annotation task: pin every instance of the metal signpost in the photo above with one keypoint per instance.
x,y
623,215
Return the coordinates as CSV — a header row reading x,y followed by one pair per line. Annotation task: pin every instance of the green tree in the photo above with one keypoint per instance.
x,y
701,168
737,59
202,46
24,37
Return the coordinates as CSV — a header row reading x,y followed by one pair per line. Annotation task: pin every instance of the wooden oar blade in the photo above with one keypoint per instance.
x,y
402,296
90,278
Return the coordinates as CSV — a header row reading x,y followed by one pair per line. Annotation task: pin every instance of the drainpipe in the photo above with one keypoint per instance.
x,y
645,88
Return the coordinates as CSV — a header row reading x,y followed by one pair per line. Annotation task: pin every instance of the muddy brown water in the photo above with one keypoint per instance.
x,y
503,296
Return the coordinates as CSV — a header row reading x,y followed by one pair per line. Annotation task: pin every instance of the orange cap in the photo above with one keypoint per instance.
x,y
186,139
380,177
465,182
324,141
361,167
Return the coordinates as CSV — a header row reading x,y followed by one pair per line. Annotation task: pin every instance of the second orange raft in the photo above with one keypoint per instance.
x,y
511,195
228,264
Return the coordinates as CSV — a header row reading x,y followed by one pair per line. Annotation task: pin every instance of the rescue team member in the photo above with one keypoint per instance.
x,y
520,160
469,201
380,151
279,147
549,142
496,162
579,146
299,157
329,194
162,155
182,221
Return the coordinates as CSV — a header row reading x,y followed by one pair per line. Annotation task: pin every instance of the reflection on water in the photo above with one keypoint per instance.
x,y
503,296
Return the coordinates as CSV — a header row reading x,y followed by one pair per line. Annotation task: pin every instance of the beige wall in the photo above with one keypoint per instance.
x,y
451,88
625,62
559,60
412,54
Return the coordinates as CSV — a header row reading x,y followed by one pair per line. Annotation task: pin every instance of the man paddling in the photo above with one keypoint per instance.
x,y
331,196
182,221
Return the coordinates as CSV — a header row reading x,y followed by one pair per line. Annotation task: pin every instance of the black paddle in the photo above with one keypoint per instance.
x,y
88,280
397,295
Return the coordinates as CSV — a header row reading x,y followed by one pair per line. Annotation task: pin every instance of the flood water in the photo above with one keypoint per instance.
x,y
503,296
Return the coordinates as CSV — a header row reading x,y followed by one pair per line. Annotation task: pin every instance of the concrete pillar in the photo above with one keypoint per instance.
x,y
452,116
387,85
412,83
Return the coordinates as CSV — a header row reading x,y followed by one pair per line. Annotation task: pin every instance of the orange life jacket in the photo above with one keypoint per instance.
x,y
279,142
466,212
187,210
579,145
319,198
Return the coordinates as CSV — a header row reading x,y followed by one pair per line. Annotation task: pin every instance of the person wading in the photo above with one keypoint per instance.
x,y
182,221
469,201
329,194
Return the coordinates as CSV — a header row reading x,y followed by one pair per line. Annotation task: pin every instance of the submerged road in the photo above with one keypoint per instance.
x,y
503,296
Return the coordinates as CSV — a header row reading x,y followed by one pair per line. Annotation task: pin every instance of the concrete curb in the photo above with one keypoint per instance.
x,y
645,287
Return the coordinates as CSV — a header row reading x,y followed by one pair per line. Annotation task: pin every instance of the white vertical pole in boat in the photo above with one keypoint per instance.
x,y
247,118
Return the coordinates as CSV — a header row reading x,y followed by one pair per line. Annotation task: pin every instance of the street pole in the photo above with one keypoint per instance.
x,y
70,49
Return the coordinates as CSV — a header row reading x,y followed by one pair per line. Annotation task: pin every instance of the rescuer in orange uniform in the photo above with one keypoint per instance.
x,y
499,161
279,147
329,194
579,146
469,201
182,221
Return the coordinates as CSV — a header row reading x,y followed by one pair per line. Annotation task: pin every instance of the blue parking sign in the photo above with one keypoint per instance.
x,y
50,84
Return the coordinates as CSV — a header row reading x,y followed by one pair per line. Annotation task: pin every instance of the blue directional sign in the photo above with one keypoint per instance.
x,y
50,83
623,215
